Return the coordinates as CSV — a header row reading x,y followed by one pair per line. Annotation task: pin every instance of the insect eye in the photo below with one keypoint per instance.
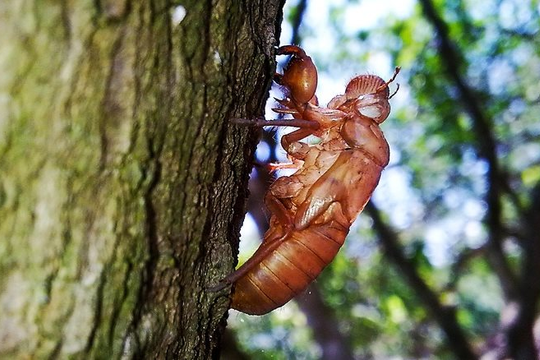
x,y
372,111
378,111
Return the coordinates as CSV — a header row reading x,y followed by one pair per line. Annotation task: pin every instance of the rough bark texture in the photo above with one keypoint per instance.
x,y
120,173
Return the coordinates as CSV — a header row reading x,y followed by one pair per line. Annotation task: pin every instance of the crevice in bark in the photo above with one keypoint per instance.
x,y
151,232
117,309
66,22
56,350
110,104
98,309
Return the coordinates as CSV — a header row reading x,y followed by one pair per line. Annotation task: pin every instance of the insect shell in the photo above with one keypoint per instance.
x,y
313,209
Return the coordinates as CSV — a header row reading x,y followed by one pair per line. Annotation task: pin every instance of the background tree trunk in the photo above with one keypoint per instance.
x,y
120,173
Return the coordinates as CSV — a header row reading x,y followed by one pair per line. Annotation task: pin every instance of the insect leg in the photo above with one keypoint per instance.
x,y
267,247
276,207
291,50
307,127
295,136
300,123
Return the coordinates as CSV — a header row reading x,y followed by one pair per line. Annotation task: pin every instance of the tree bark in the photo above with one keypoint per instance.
x,y
122,182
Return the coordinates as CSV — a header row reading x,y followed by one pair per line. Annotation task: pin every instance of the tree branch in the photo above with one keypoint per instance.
x,y
297,21
443,315
520,329
486,147
525,291
322,320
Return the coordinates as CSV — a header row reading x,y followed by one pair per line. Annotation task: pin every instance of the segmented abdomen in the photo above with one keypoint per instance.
x,y
295,262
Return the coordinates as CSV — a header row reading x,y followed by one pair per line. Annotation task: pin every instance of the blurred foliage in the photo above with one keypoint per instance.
x,y
439,207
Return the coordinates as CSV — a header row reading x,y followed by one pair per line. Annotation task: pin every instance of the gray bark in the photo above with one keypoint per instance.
x,y
122,182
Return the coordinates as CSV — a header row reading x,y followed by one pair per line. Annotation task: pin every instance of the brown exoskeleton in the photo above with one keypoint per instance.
x,y
312,210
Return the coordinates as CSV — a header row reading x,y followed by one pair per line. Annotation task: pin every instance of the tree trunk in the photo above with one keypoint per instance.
x,y
122,182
